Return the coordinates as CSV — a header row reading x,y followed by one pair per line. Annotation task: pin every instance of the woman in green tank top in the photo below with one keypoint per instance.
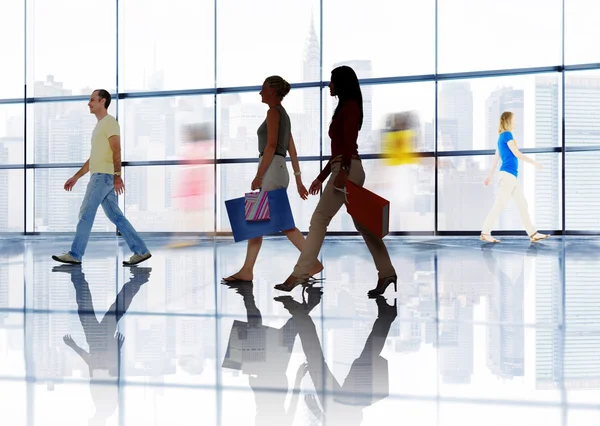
x,y
275,140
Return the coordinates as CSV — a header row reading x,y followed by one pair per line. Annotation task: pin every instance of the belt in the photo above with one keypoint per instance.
x,y
339,158
277,153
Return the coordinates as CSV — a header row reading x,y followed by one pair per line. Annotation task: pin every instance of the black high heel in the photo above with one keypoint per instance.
x,y
290,284
382,285
384,310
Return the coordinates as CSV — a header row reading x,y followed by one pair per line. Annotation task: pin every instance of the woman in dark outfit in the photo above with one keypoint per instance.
x,y
344,165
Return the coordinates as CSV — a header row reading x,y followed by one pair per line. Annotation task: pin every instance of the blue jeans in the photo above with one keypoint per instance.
x,y
101,191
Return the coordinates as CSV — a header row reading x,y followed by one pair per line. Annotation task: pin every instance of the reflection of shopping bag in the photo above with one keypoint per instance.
x,y
246,345
368,209
257,350
398,147
280,211
257,206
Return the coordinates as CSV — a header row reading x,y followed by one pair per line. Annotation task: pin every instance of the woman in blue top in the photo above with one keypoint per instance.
x,y
509,186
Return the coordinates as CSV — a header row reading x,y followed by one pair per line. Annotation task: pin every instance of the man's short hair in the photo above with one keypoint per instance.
x,y
103,94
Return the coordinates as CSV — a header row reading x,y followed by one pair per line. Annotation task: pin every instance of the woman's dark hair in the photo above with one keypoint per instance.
x,y
346,88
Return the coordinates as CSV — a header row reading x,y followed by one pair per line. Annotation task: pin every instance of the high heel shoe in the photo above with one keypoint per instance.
x,y
384,310
382,285
291,283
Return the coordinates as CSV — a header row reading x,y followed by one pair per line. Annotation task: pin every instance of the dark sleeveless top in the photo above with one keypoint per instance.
x,y
283,135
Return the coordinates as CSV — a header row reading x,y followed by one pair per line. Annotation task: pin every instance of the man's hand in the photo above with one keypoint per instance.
x,y
69,340
120,339
119,185
70,183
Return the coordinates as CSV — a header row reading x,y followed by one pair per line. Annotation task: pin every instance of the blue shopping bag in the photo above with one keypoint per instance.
x,y
281,217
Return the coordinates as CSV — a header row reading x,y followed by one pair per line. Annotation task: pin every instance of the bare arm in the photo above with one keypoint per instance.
x,y
71,343
494,164
294,157
84,169
325,172
115,146
515,150
272,132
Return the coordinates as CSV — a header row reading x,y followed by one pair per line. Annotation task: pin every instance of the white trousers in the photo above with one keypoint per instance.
x,y
509,188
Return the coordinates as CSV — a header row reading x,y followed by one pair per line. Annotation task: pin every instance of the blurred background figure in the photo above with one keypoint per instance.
x,y
194,184
399,138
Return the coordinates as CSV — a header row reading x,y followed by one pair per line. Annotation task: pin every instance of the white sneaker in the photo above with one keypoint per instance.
x,y
66,258
137,258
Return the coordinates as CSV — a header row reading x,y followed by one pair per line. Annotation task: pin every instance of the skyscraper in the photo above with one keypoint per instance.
x,y
582,115
547,188
43,113
307,129
582,128
455,115
505,333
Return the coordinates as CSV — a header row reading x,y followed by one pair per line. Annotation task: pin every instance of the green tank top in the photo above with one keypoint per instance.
x,y
283,135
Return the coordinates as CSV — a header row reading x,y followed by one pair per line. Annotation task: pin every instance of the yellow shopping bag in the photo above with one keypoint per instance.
x,y
398,147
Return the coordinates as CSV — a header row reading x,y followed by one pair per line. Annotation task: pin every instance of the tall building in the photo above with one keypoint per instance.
x,y
43,113
455,124
582,115
506,334
567,356
582,128
69,139
547,135
307,128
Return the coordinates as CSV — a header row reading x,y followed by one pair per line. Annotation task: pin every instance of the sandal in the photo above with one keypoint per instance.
x,y
534,238
488,238
234,280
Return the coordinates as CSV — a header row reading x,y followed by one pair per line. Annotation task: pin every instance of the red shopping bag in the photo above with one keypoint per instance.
x,y
368,209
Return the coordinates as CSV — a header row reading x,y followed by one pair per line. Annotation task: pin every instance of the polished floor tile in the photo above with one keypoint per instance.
x,y
475,334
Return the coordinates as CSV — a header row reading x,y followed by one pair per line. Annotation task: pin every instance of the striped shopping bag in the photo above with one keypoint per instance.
x,y
257,206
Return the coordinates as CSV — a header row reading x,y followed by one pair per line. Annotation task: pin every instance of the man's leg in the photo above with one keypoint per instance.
x,y
94,194
115,215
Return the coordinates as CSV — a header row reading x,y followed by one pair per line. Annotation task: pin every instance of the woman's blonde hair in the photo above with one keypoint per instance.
x,y
505,122
281,86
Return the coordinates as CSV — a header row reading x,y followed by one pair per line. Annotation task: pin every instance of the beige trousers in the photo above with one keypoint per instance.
x,y
330,203
509,188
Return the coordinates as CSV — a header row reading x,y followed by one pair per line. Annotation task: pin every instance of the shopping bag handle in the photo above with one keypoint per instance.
x,y
344,191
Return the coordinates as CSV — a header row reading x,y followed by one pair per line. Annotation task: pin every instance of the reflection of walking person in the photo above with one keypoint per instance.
x,y
366,383
103,339
104,165
510,155
274,142
263,353
344,165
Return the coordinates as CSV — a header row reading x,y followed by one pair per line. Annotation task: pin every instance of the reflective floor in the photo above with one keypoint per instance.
x,y
475,334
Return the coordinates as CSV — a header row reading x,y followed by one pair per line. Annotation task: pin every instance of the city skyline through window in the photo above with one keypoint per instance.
x,y
143,61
